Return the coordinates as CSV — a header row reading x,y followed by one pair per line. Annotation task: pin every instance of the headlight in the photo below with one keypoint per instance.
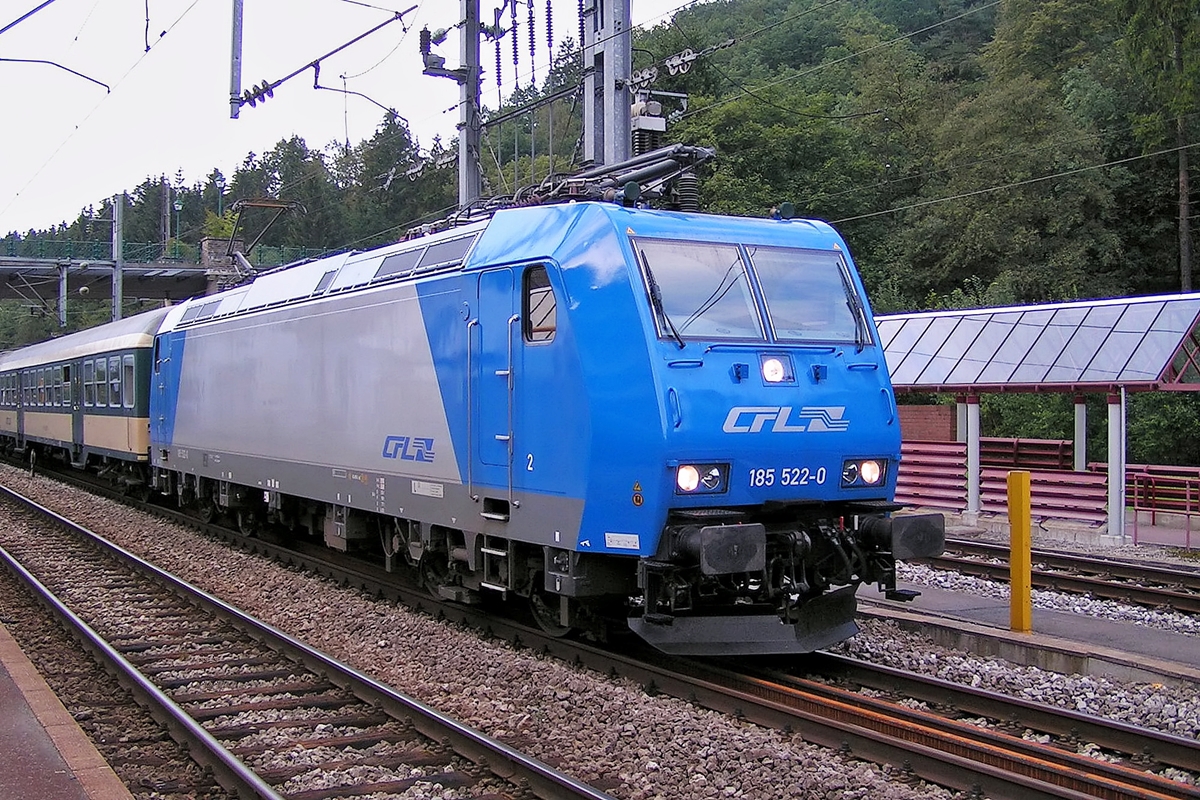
x,y
687,478
773,370
857,473
701,478
776,368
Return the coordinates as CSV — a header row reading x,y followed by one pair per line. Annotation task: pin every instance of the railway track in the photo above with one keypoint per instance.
x,y
932,746
271,717
1133,582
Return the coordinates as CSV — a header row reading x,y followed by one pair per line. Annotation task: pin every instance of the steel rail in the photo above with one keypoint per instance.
x,y
229,771
502,760
1179,588
1141,743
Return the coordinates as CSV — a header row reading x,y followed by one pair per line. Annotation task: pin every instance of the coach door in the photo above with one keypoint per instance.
x,y
73,386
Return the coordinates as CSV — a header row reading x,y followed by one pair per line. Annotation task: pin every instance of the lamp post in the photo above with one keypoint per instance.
x,y
178,208
220,182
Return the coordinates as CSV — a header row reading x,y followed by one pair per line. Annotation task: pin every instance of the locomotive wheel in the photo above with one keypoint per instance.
x,y
206,511
248,522
544,607
433,571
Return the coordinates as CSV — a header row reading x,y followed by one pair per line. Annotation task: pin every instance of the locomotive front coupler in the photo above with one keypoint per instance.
x,y
905,537
721,549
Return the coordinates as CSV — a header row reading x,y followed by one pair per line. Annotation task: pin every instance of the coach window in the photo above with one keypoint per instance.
x,y
41,393
128,385
540,310
66,376
101,382
114,381
89,384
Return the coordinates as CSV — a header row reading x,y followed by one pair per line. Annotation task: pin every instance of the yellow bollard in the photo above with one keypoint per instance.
x,y
1019,558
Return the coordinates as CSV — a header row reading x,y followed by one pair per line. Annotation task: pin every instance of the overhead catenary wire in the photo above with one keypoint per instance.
x,y
574,91
1016,184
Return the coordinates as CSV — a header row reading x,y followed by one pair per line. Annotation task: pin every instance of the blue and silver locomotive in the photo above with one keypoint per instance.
x,y
678,420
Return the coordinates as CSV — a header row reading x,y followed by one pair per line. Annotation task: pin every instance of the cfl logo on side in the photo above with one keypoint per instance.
x,y
754,419
408,448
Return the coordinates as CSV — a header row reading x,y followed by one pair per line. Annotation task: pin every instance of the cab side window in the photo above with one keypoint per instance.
x,y
539,307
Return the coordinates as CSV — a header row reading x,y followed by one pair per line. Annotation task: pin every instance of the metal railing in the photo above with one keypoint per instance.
x,y
1160,493
933,475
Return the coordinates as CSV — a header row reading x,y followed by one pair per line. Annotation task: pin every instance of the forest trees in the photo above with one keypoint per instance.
x,y
1009,144
1163,42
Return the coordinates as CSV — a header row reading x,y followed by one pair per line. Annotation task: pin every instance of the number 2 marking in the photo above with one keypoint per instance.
x,y
529,463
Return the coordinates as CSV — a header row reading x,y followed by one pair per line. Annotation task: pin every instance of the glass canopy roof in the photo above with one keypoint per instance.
x,y
1136,342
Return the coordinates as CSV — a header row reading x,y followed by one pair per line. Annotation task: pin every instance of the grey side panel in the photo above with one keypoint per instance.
x,y
325,383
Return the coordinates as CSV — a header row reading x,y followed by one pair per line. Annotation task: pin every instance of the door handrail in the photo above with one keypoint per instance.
x,y
472,323
511,381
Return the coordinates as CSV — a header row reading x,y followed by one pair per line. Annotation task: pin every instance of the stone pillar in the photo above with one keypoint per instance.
x,y
971,516
1116,464
1080,447
961,427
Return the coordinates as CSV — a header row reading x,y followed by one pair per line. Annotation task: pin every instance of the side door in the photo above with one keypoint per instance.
x,y
492,380
515,382
23,396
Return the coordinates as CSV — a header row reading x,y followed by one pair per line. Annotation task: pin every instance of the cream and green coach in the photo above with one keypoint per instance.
x,y
82,398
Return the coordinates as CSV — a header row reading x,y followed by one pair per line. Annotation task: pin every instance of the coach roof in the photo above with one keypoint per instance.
x,y
124,334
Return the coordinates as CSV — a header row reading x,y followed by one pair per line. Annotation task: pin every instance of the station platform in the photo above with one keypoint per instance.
x,y
44,753
1141,529
1059,641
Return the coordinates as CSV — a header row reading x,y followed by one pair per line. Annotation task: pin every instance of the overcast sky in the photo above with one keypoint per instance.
x,y
67,142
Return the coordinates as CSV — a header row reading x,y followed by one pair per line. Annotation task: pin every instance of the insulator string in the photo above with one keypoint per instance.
x,y
516,48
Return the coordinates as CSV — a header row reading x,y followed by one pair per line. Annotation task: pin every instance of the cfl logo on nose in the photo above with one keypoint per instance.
x,y
753,419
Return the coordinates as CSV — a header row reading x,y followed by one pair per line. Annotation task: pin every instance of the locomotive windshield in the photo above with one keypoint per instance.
x,y
809,295
702,290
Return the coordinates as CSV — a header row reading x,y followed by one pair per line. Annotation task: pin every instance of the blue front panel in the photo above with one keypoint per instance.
x,y
164,390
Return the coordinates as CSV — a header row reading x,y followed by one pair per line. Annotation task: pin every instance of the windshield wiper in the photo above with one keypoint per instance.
x,y
656,300
861,337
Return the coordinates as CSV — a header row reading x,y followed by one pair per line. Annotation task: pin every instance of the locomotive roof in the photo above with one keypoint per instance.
x,y
124,334
515,235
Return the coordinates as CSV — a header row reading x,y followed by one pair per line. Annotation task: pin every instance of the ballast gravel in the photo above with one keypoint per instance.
x,y
606,732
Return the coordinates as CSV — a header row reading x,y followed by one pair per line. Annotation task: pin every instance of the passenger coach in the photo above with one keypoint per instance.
x,y
83,397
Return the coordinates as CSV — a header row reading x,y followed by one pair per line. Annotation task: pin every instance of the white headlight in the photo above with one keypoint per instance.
x,y
773,370
687,478
871,472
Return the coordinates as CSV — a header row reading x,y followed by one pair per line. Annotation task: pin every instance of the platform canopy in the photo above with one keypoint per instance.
x,y
1135,343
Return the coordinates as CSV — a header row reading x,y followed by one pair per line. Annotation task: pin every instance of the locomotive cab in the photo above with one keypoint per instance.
x,y
762,491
